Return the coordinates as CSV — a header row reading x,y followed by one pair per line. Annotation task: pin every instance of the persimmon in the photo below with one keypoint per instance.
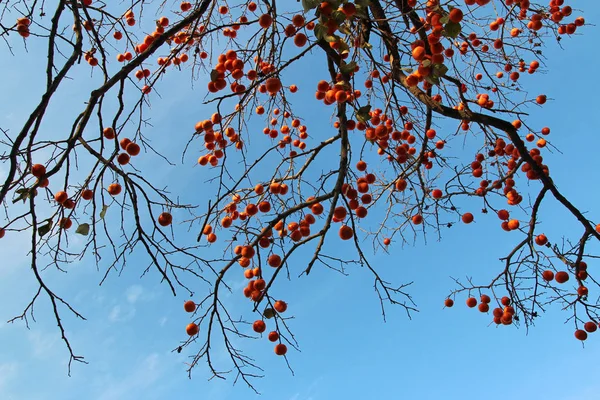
x,y
165,219
108,133
581,334
485,298
503,215
192,329
260,284
273,85
448,303
346,233
505,301
65,223
2,232
483,307
456,15
300,39
417,219
259,326
561,276
114,189
387,241
436,194
61,197
69,204
471,302
123,159
541,240
590,326
189,306
280,306
513,224
280,349
548,275
273,336
265,21
38,170
274,260
467,218
401,185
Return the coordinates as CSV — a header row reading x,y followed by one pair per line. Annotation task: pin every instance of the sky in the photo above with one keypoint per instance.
x,y
346,349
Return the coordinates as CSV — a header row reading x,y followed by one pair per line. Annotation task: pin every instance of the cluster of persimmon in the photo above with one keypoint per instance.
x,y
339,93
260,326
432,52
288,132
216,141
502,315
23,26
505,315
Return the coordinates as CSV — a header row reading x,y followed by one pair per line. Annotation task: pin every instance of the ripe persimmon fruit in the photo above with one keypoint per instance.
x,y
189,306
192,329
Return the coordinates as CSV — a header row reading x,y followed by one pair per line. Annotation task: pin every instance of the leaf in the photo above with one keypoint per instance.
x,y
440,69
445,19
309,4
103,212
426,63
363,113
338,16
23,195
320,31
83,229
434,80
214,75
452,29
366,46
43,229
348,68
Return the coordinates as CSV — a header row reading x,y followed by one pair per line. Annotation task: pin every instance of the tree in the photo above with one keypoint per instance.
x,y
429,112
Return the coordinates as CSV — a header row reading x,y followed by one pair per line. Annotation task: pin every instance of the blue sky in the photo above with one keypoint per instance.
x,y
347,351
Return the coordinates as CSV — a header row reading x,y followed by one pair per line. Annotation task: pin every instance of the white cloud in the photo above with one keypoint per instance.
x,y
116,315
134,293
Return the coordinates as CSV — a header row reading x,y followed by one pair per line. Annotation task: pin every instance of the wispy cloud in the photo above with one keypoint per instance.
x,y
134,293
8,372
118,315
142,377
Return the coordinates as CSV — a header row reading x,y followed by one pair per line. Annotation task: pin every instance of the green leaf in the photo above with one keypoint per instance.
x,y
440,69
83,229
269,313
434,80
363,113
426,63
23,194
103,212
452,29
214,75
348,68
445,19
320,31
43,229
309,4
338,17
362,3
